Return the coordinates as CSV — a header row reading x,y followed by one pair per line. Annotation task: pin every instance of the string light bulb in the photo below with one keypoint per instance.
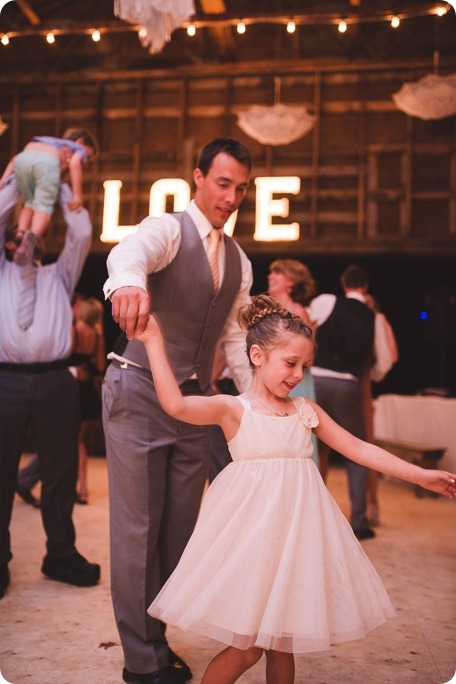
x,y
96,35
291,27
5,39
342,26
395,21
240,28
191,30
441,11
50,38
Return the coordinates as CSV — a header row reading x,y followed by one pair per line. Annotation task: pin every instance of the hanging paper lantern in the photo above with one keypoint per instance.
x,y
278,124
432,97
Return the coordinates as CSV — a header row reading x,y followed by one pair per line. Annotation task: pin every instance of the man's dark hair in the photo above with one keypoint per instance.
x,y
355,277
231,146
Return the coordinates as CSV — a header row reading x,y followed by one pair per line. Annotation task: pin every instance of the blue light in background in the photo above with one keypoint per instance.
x,y
424,315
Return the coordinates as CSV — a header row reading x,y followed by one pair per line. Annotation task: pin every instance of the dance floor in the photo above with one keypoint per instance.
x,y
51,633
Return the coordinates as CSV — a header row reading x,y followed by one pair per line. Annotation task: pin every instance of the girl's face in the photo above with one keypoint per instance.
x,y
278,283
281,369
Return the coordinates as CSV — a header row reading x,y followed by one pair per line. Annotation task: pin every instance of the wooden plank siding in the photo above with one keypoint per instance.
x,y
373,180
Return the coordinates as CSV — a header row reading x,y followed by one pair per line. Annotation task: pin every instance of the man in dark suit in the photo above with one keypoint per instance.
x,y
345,344
183,267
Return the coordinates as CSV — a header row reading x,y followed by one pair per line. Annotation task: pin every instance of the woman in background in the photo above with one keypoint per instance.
x,y
88,361
291,284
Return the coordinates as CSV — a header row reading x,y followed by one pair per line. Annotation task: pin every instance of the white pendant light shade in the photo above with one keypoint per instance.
x,y
278,124
158,17
432,97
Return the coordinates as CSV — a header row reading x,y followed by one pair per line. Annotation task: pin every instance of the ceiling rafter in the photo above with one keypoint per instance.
x,y
29,13
221,35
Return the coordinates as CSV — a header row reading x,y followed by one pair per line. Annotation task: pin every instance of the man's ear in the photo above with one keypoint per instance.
x,y
256,355
198,177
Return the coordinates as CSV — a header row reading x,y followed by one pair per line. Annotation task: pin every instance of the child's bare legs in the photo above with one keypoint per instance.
x,y
230,664
40,222
280,667
33,224
24,222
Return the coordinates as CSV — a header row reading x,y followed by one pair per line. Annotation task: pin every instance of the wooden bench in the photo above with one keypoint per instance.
x,y
423,455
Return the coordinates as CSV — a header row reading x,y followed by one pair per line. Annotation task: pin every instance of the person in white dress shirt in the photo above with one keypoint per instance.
x,y
37,388
346,344
158,466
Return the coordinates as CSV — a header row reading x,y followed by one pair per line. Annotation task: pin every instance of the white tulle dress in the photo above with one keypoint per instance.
x,y
272,561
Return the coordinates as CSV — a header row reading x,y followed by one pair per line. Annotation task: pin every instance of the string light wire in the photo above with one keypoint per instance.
x,y
240,24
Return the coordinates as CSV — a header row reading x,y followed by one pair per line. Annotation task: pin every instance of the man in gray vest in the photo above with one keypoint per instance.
x,y
183,267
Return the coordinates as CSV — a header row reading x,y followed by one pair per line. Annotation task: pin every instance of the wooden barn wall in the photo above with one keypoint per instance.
x,y
373,180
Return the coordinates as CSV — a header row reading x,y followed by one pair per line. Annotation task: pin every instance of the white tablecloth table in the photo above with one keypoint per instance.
x,y
425,420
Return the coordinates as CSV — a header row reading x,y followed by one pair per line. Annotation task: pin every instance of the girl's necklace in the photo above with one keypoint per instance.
x,y
281,415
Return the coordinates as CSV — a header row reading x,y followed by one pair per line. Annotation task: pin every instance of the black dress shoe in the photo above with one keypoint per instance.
x,y
179,665
4,579
27,496
167,675
365,533
73,569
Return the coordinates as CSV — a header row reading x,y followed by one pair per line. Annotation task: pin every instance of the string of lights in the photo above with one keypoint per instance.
x,y
241,24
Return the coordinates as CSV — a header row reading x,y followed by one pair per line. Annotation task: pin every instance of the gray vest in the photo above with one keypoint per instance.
x,y
191,315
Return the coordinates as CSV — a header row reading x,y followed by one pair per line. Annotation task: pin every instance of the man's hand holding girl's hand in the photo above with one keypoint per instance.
x,y
151,332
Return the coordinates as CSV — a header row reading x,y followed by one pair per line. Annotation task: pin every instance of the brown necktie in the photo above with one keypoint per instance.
x,y
26,307
212,256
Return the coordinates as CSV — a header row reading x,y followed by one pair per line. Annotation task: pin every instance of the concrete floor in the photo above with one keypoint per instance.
x,y
51,633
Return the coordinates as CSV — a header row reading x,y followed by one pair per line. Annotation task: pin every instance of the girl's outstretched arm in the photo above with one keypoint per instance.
x,y
376,458
221,409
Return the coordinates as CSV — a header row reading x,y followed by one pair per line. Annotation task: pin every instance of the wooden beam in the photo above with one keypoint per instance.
x,y
221,35
213,6
315,156
28,11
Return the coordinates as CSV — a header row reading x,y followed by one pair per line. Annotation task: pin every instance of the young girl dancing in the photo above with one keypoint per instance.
x,y
273,566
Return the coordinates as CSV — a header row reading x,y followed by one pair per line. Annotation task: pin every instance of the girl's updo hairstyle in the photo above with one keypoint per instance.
x,y
266,322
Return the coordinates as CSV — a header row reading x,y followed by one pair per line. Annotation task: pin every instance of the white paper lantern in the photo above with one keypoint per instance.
x,y
432,97
278,124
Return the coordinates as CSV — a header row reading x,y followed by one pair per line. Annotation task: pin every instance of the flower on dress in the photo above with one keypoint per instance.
x,y
307,414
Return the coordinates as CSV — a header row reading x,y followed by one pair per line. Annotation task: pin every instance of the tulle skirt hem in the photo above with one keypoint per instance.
x,y
286,643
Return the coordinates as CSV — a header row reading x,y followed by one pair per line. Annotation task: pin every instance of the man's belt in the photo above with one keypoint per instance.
x,y
34,368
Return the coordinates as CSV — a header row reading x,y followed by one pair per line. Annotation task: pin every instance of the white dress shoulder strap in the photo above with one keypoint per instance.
x,y
244,401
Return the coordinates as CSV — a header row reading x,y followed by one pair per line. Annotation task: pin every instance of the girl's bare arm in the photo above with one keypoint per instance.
x,y
378,459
